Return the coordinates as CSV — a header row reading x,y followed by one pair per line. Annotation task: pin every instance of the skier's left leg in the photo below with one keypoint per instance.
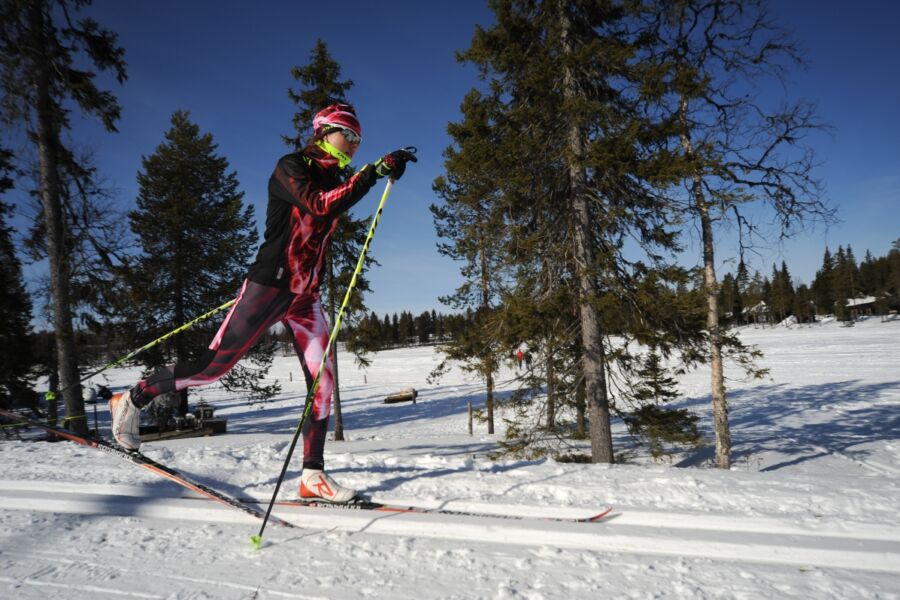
x,y
257,308
307,322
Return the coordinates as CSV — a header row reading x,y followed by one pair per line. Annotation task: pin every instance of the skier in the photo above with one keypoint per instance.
x,y
308,192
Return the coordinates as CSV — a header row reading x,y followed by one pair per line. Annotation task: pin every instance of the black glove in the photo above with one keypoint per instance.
x,y
394,164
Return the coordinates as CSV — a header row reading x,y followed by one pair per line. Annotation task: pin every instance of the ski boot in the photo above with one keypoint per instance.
x,y
126,419
315,484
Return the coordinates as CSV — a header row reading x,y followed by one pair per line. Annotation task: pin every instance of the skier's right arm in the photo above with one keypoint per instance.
x,y
292,183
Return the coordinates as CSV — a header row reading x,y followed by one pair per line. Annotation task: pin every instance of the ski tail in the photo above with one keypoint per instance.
x,y
145,462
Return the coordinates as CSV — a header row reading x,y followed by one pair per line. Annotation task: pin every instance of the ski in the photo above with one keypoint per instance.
x,y
145,462
366,504
249,505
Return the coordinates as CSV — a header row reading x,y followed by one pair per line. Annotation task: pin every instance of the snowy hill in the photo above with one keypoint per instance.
x,y
808,511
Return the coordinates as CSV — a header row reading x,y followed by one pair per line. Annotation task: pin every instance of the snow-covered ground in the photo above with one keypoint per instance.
x,y
808,511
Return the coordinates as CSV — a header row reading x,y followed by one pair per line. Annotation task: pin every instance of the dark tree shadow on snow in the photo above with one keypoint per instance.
x,y
806,422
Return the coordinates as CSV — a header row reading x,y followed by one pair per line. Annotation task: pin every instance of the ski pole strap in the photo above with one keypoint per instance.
x,y
134,353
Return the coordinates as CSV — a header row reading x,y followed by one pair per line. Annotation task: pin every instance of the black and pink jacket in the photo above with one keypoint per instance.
x,y
306,198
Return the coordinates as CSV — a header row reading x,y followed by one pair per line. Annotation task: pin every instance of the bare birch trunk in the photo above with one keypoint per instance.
x,y
711,287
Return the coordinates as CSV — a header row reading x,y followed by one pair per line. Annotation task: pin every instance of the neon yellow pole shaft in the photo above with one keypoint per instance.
x,y
134,353
257,539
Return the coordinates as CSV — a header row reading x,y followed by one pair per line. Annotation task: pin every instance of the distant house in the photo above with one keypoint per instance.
x,y
759,313
863,306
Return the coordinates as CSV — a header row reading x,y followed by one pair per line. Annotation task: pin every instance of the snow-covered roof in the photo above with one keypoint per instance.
x,y
757,309
860,301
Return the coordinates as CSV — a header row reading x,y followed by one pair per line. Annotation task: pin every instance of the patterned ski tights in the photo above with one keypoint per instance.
x,y
259,307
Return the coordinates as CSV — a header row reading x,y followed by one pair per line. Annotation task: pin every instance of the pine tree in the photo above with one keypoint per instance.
x,y
405,328
870,281
823,285
321,86
851,274
395,330
840,285
386,336
40,44
423,327
196,237
651,420
737,306
804,306
893,274
787,290
780,297
580,171
470,227
725,298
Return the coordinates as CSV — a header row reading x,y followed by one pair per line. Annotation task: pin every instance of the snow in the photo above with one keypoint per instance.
x,y
807,511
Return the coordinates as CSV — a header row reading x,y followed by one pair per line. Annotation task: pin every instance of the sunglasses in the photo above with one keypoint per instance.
x,y
350,136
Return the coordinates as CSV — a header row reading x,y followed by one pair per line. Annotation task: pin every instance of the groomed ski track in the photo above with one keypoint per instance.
x,y
737,538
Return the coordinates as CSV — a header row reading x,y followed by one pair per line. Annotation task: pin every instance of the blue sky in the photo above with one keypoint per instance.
x,y
229,62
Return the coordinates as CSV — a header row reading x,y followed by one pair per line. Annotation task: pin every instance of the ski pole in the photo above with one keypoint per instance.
x,y
134,353
256,540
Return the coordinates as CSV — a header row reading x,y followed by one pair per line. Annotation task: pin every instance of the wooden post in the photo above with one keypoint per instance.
x,y
470,417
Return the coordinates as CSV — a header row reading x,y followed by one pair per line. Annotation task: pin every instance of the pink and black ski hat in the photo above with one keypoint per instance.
x,y
340,116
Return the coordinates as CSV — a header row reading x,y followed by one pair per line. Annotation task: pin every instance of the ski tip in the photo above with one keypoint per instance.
x,y
256,542
600,515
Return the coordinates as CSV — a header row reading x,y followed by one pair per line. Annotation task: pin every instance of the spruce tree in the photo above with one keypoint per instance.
x,y
737,306
41,47
850,274
579,172
321,86
870,282
652,420
840,285
823,285
804,306
196,238
405,328
470,229
787,286
781,294
386,337
893,275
